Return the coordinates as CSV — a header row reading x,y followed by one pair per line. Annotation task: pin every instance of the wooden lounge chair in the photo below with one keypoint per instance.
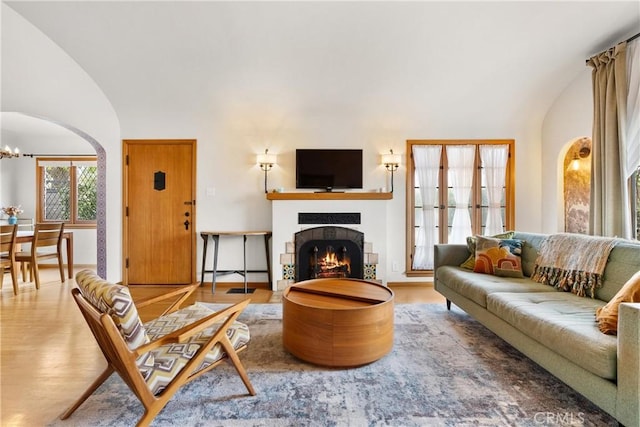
x,y
152,358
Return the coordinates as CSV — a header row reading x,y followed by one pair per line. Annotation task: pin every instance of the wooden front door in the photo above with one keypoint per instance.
x,y
159,212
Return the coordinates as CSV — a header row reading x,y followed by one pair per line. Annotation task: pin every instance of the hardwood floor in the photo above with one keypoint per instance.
x,y
48,355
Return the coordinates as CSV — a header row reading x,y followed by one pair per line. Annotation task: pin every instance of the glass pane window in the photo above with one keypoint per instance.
x,y
87,178
484,204
489,200
67,190
57,193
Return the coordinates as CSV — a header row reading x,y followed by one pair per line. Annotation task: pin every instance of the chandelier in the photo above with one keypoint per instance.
x,y
6,152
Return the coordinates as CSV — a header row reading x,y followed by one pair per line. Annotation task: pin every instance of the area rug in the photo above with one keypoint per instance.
x,y
445,370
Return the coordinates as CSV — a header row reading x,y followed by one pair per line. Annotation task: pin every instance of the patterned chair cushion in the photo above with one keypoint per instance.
x,y
161,365
116,301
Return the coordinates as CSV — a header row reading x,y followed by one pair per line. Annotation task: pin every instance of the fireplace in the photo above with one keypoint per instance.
x,y
329,252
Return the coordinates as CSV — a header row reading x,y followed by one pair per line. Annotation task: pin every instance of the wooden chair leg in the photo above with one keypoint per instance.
x,y
235,360
36,273
150,413
14,279
62,276
88,392
23,267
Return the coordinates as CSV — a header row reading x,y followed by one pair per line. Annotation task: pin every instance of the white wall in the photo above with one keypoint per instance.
x,y
253,114
40,79
8,191
18,183
569,118
228,145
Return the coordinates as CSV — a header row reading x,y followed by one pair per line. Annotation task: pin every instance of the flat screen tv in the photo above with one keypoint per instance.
x,y
328,169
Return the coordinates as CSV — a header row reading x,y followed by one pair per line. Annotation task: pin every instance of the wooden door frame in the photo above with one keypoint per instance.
x,y
125,197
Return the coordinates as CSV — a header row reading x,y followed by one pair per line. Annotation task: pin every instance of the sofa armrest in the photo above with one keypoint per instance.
x,y
628,405
449,254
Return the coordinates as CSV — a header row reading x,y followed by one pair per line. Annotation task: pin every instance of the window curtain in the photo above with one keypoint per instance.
x,y
610,213
494,170
632,141
460,161
427,166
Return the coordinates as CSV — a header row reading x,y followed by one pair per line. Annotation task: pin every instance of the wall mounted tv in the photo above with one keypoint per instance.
x,y
327,169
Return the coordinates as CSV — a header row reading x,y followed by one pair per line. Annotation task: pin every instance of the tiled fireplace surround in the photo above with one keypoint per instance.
x,y
287,222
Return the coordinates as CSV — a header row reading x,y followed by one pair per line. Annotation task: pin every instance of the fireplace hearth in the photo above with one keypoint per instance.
x,y
329,252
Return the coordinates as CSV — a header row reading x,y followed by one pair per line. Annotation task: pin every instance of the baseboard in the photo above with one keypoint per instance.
x,y
75,266
225,285
425,284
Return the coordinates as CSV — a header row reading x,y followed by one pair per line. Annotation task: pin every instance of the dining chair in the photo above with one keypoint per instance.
x,y
25,224
44,235
157,358
7,254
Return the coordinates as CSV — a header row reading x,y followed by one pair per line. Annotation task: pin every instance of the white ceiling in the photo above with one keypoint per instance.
x,y
31,134
195,58
26,126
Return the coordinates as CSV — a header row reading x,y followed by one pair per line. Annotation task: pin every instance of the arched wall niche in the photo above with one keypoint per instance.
x,y
101,203
576,179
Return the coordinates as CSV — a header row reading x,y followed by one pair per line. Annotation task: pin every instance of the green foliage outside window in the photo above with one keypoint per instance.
x,y
57,200
57,187
87,177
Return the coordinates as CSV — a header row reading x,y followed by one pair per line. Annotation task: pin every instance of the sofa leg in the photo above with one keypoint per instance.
x,y
448,305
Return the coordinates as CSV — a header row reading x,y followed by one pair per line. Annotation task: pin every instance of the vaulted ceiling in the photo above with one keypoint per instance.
x,y
196,58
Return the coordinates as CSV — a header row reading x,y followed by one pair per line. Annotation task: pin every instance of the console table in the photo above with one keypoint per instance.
x,y
215,235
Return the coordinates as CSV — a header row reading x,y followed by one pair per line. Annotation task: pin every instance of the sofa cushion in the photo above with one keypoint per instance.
x,y
607,316
469,264
622,264
573,262
500,257
476,286
564,323
530,248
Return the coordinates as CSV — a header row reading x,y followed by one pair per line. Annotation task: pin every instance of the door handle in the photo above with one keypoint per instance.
x,y
186,224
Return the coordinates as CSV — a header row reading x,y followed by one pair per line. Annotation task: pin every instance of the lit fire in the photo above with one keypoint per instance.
x,y
332,265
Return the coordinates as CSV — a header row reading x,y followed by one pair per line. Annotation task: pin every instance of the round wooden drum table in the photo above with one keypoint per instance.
x,y
337,322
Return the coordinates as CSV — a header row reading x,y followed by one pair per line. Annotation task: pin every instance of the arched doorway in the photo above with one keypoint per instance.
x,y
22,119
576,184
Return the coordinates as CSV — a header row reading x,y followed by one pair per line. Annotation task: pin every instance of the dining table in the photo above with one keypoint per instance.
x,y
27,237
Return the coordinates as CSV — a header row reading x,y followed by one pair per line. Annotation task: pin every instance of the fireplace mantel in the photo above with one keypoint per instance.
x,y
371,220
330,196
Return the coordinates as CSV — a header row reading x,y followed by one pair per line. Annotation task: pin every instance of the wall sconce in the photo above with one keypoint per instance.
x,y
266,162
391,162
577,156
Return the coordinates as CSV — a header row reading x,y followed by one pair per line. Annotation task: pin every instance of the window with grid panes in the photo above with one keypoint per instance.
x,y
67,190
444,209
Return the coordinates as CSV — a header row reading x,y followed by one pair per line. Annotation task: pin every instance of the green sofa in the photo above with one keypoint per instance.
x,y
557,329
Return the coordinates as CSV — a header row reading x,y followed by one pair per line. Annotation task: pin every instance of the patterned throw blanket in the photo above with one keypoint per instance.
x,y
573,262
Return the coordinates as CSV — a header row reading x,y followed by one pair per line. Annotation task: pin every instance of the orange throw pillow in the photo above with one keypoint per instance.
x,y
607,316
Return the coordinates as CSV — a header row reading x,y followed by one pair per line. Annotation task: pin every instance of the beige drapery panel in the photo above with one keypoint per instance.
x,y
610,212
